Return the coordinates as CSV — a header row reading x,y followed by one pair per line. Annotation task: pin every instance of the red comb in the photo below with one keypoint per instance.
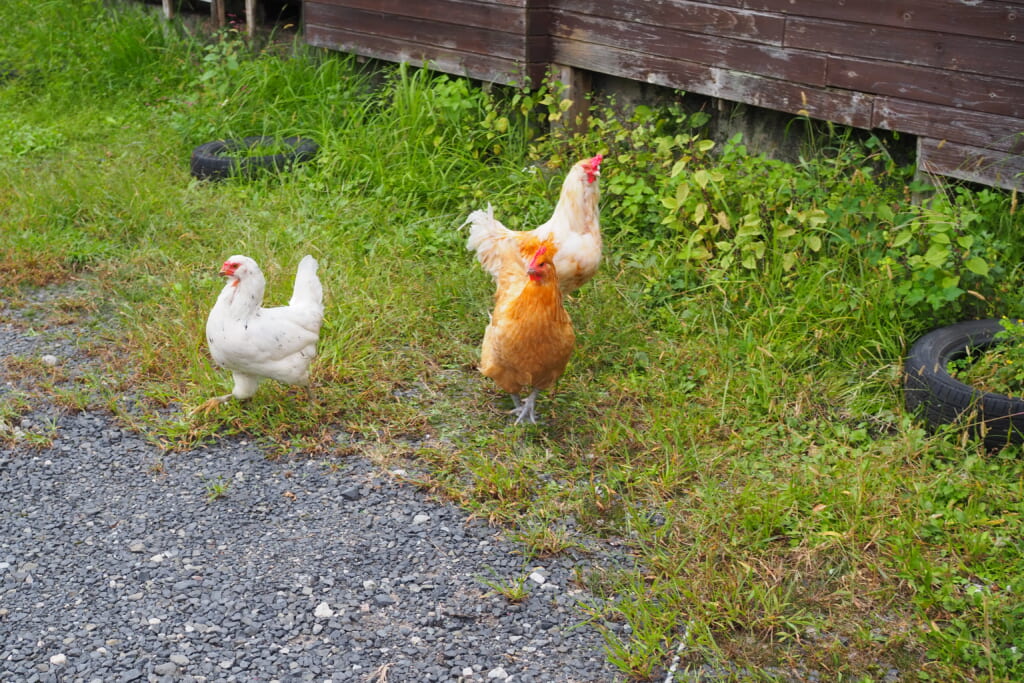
x,y
540,252
592,166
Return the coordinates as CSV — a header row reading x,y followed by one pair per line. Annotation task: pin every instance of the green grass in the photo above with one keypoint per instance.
x,y
730,426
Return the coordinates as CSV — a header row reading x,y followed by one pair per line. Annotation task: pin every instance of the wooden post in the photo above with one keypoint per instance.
x,y
169,9
218,13
250,17
578,83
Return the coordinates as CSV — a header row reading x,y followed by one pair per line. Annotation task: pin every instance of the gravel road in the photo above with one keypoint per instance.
x,y
116,564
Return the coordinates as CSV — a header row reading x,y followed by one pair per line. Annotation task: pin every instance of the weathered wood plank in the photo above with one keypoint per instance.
x,y
997,20
455,37
447,60
683,15
974,164
504,17
723,3
643,39
1000,133
963,91
841,106
521,4
941,51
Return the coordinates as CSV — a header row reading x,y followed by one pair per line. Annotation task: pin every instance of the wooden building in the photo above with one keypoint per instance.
x,y
950,72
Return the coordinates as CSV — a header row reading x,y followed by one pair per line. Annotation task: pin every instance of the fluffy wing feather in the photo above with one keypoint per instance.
x,y
488,238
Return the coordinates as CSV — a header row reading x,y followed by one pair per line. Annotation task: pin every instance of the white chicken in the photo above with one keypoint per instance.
x,y
258,343
574,228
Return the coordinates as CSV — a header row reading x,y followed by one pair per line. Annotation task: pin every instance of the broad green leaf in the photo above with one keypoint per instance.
x,y
902,238
699,212
816,218
936,254
750,228
682,193
977,265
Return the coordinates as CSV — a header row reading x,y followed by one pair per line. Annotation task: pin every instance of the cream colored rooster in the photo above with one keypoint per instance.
x,y
258,343
574,228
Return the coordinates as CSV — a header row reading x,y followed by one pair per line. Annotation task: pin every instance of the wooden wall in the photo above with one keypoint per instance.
x,y
493,40
950,72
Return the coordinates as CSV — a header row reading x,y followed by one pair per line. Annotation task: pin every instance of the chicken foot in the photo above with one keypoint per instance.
x,y
524,410
206,406
210,404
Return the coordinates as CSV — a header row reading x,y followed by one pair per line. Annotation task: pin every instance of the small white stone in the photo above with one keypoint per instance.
x,y
421,519
467,671
537,577
369,585
59,660
49,359
323,611
497,674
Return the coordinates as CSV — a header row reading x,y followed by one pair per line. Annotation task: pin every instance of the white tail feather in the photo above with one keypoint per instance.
x,y
485,235
308,290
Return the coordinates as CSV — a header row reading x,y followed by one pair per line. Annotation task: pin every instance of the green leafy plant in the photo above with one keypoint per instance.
x,y
512,589
216,489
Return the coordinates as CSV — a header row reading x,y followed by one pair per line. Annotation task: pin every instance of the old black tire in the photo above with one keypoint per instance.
x,y
940,399
214,160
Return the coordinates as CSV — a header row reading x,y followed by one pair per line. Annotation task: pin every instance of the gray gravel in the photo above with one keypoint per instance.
x,y
115,564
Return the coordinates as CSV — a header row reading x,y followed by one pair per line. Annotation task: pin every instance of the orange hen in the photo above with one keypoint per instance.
x,y
529,338
574,228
